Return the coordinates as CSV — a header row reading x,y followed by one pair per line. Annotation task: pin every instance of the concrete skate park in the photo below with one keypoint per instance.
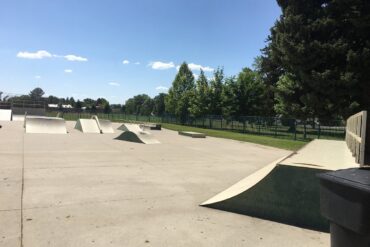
x,y
95,189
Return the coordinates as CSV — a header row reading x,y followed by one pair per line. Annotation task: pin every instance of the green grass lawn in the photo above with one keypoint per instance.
x,y
259,139
283,143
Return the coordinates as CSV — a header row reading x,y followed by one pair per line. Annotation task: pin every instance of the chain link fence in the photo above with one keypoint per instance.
x,y
271,126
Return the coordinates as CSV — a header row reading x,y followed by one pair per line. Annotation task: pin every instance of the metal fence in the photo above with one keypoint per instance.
x,y
271,126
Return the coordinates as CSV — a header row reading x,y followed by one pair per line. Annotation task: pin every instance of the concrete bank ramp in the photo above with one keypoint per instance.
x,y
105,126
192,134
151,126
87,126
287,190
18,118
5,115
94,125
45,125
133,133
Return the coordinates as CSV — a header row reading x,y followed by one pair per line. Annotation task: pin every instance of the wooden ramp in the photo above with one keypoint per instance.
x,y
287,190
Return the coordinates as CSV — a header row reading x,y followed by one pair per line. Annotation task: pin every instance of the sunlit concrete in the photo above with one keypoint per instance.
x,y
92,190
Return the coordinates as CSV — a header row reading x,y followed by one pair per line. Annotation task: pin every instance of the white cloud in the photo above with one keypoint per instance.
x,y
75,58
34,55
37,77
137,63
196,76
178,67
194,66
68,71
162,89
125,61
161,65
45,54
114,84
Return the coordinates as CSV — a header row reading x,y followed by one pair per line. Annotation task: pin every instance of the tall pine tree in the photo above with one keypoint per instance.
x,y
323,49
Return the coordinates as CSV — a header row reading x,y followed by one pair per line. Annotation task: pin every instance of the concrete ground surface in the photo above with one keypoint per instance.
x,y
91,190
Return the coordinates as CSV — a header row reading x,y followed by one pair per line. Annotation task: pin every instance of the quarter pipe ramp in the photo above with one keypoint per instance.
x,y
133,133
287,189
45,125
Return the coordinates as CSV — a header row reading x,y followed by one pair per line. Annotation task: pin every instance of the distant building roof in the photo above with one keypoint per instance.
x,y
69,106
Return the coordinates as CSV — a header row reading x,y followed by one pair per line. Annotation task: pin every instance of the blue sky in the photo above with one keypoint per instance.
x,y
119,48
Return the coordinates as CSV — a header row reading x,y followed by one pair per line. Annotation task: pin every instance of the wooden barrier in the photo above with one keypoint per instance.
x,y
356,137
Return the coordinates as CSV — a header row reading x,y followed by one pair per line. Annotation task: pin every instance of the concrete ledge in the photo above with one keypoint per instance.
x,y
192,134
151,126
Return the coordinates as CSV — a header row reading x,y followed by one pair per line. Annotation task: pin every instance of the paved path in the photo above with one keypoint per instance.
x,y
91,190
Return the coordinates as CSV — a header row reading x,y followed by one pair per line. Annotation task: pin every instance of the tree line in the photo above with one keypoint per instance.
x,y
315,65
36,97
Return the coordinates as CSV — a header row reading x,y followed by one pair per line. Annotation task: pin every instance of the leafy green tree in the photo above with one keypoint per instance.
x,y
230,103
159,104
140,104
130,107
269,74
36,94
72,101
107,108
323,49
250,93
89,103
123,108
216,86
93,109
200,103
181,93
52,100
101,102
78,104
147,107
287,99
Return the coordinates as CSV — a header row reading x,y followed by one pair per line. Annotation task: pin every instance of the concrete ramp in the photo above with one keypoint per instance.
x,y
133,133
287,190
130,127
105,126
5,115
45,125
18,118
151,126
87,126
192,134
94,125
